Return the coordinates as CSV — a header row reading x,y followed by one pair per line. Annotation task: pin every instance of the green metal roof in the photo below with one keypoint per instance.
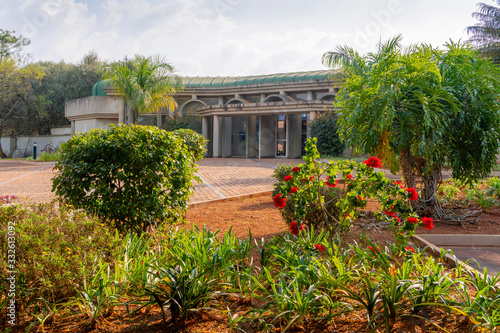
x,y
229,81
98,88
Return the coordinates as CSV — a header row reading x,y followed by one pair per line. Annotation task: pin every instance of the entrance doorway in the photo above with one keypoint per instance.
x,y
280,136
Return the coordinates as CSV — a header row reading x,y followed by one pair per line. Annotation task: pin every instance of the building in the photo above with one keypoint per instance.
x,y
249,116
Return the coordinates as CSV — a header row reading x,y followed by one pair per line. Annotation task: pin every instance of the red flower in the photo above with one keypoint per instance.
x,y
293,190
279,201
388,212
330,184
397,218
346,216
428,222
409,248
287,178
295,169
349,176
319,247
294,229
413,193
398,183
374,250
360,198
373,162
412,220
311,178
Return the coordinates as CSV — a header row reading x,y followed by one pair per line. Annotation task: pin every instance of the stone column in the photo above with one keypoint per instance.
x,y
158,118
310,95
250,136
267,139
73,127
294,135
121,113
226,130
216,138
130,115
260,135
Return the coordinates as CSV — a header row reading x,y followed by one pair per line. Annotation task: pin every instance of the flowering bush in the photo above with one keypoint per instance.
x,y
303,191
6,199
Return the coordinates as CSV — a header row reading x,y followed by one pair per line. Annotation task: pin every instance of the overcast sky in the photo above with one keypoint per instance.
x,y
229,37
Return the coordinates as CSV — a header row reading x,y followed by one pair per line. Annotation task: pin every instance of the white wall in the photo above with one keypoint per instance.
x,y
85,125
26,142
94,107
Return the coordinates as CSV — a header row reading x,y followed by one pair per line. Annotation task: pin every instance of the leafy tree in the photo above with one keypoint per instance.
x,y
19,106
129,176
420,107
486,33
63,82
147,84
11,45
325,129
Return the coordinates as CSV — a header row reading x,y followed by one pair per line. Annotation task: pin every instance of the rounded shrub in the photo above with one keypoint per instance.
x,y
130,176
325,129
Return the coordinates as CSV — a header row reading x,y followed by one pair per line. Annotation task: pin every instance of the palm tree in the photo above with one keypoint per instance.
x,y
486,33
148,84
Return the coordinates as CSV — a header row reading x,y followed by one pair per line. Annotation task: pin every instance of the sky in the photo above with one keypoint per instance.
x,y
229,37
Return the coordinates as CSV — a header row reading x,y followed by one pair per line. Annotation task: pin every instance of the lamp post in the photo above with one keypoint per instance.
x,y
34,150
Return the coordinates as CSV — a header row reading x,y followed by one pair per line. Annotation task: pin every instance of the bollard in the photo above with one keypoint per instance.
x,y
34,150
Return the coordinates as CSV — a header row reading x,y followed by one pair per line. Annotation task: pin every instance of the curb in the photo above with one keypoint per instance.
x,y
452,261
234,198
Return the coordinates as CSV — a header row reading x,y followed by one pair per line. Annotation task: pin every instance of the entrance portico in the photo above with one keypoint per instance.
x,y
258,116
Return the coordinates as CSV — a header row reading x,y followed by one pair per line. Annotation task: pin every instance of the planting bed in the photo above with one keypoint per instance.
x,y
258,214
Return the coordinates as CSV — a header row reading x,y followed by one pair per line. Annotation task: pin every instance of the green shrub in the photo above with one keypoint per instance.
x,y
129,176
187,122
325,129
281,171
305,189
314,214
55,249
48,157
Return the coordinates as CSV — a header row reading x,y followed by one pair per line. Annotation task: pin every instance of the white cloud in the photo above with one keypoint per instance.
x,y
227,37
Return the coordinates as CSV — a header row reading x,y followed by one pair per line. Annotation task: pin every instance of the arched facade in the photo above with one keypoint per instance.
x,y
249,116
191,107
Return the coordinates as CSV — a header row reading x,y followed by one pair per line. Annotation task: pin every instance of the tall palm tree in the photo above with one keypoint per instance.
x,y
486,33
148,84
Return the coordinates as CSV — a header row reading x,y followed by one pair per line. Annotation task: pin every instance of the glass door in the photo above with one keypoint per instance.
x,y
281,136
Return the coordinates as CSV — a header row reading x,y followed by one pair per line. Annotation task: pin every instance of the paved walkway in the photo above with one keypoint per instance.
x,y
222,178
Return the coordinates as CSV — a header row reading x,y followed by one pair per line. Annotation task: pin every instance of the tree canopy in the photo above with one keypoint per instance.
x,y
62,82
148,84
420,107
486,33
20,108
11,44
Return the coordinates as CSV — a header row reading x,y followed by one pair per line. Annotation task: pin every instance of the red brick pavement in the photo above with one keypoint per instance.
x,y
222,177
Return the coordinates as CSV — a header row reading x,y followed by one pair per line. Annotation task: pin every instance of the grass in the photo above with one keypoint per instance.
x,y
45,157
